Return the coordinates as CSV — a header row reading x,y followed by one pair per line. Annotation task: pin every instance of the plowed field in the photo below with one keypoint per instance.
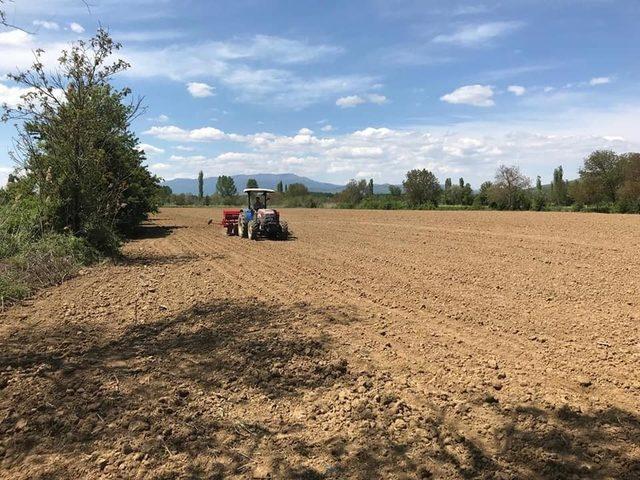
x,y
373,345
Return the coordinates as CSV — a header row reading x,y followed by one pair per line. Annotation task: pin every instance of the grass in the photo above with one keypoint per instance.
x,y
30,257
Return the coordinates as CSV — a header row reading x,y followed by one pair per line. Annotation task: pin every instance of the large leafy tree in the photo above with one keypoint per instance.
x,y
601,176
353,193
629,192
75,145
421,187
252,183
226,187
508,190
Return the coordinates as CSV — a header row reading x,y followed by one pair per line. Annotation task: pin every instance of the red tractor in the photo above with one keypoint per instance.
x,y
256,220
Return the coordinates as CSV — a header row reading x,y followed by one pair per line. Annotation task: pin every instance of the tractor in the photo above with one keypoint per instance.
x,y
255,221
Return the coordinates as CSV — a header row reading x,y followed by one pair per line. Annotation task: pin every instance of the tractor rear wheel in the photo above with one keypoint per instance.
x,y
253,230
284,231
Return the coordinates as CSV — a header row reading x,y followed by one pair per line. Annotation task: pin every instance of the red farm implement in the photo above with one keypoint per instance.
x,y
230,221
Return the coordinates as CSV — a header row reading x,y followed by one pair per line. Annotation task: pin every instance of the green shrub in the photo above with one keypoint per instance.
x,y
12,286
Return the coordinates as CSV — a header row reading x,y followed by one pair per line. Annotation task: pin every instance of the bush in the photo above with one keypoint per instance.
x,y
384,202
48,261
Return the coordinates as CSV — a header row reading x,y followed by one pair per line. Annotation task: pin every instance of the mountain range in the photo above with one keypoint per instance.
x,y
265,180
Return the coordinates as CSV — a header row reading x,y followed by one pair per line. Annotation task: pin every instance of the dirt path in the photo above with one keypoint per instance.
x,y
374,345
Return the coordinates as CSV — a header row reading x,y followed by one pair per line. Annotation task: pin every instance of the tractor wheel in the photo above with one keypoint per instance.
x,y
253,230
242,229
284,231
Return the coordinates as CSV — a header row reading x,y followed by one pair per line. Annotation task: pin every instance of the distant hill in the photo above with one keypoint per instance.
x,y
265,180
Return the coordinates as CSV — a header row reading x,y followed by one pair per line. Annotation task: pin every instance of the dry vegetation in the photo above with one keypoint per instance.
x,y
374,345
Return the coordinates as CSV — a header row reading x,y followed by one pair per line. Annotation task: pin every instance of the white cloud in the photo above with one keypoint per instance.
x,y
4,175
377,98
161,166
354,100
14,38
200,90
150,149
240,65
471,150
476,95
476,35
355,152
599,81
47,25
350,101
517,90
11,95
162,118
173,133
275,49
327,128
76,27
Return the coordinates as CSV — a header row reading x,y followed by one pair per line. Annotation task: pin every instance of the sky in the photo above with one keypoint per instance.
x,y
336,90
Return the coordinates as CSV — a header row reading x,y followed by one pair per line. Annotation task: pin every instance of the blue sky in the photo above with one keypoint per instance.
x,y
339,90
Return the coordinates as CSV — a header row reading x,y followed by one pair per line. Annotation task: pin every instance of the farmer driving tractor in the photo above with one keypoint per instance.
x,y
256,220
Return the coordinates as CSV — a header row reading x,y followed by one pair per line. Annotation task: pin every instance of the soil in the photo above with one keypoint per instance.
x,y
406,345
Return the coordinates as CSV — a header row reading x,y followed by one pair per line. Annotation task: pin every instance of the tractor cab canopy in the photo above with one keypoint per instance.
x,y
257,197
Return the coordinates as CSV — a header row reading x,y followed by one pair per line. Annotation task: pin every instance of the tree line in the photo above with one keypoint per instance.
x,y
608,182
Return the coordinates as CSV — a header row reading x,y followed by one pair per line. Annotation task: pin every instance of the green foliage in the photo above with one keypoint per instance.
x,y
382,202
252,183
226,187
200,184
370,187
422,188
539,200
395,191
559,187
297,190
508,192
279,187
601,176
354,192
75,147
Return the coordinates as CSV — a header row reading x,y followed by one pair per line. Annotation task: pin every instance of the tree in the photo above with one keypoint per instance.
x,y
483,196
539,199
353,193
559,187
395,191
297,190
226,187
447,184
370,188
76,148
279,187
200,185
421,187
164,195
252,183
461,182
629,192
508,191
602,175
